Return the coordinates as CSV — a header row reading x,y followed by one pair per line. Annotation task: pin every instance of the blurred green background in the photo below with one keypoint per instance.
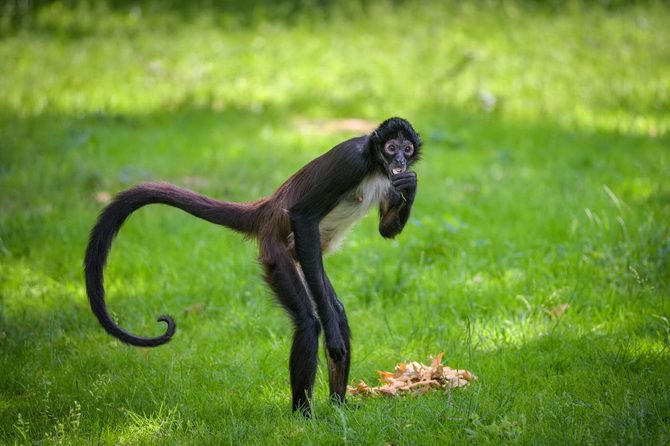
x,y
537,255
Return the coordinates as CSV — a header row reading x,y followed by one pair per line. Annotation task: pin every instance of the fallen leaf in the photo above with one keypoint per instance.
x,y
383,375
360,389
558,310
437,361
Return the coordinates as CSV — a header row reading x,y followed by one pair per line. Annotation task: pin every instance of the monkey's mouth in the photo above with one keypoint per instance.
x,y
398,169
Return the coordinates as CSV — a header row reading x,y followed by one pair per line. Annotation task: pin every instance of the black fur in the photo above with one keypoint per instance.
x,y
286,225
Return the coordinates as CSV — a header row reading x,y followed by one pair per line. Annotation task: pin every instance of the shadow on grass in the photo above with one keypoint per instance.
x,y
80,18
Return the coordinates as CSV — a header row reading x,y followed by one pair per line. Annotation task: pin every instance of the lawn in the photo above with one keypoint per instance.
x,y
545,181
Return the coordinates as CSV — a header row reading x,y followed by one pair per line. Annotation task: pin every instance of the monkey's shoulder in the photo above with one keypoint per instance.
x,y
356,144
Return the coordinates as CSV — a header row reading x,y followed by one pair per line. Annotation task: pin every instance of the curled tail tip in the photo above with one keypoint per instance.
x,y
171,327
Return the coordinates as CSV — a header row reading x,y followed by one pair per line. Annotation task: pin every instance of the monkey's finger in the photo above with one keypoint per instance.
x,y
408,174
406,179
404,183
403,178
405,189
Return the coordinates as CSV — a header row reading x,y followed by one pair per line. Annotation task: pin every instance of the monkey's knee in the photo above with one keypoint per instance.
x,y
308,325
270,268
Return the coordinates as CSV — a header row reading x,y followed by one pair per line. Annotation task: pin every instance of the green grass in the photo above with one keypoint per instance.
x,y
557,193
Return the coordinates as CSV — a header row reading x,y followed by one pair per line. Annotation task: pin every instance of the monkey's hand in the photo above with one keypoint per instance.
x,y
404,185
335,346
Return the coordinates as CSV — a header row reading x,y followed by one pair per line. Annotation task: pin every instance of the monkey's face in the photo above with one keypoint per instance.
x,y
395,146
399,155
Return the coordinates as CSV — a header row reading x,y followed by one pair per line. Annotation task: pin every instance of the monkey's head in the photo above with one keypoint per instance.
x,y
395,145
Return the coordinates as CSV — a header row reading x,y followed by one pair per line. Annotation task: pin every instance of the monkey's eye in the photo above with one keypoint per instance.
x,y
409,150
390,149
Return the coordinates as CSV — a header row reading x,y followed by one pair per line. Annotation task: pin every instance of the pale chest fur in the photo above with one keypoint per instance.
x,y
355,205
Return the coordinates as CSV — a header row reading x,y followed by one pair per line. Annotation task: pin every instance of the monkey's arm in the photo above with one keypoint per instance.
x,y
308,248
394,210
339,173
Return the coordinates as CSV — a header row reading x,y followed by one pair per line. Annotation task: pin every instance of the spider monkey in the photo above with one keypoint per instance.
x,y
307,216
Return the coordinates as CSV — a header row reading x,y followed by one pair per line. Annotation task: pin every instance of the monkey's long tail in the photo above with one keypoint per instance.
x,y
237,216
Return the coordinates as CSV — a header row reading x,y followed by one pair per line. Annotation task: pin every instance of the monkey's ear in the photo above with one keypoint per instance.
x,y
375,140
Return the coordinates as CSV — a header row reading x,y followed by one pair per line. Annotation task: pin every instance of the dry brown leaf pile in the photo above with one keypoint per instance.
x,y
415,376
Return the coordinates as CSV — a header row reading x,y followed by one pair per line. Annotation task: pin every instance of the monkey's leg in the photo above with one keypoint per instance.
x,y
338,372
284,280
